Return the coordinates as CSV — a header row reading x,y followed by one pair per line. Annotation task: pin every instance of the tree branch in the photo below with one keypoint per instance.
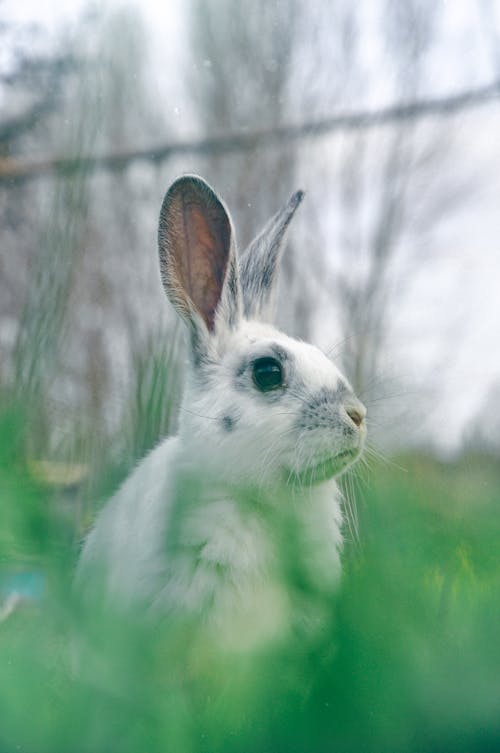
x,y
12,169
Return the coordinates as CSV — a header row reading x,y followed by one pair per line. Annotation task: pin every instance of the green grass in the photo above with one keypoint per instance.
x,y
408,659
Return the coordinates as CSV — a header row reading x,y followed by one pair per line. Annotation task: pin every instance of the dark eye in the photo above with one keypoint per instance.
x,y
267,374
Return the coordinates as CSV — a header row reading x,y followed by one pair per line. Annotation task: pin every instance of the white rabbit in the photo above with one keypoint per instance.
x,y
266,423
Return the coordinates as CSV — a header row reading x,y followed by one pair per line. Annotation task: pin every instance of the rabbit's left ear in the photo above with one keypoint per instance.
x,y
260,262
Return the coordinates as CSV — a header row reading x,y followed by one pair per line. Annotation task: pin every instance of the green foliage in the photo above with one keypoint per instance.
x,y
407,658
151,405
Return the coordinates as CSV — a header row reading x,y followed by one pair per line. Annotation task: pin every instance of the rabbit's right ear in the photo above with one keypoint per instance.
x,y
198,258
260,262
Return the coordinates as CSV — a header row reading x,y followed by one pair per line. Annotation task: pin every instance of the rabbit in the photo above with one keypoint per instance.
x,y
266,424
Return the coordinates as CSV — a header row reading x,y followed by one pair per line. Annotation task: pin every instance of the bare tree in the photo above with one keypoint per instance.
x,y
78,326
32,80
117,312
390,190
244,62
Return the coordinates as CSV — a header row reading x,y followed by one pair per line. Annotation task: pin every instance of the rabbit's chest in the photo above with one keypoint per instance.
x,y
219,536
224,555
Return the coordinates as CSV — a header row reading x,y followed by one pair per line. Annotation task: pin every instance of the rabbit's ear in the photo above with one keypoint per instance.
x,y
260,262
198,257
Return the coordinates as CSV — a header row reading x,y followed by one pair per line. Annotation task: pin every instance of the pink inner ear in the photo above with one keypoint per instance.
x,y
201,245
206,260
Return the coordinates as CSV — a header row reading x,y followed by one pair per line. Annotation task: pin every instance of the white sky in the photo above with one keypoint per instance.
x,y
455,314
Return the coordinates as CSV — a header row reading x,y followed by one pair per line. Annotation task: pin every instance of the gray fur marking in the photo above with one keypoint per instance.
x,y
228,423
322,409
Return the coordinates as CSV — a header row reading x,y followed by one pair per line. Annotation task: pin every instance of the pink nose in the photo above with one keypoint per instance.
x,y
356,414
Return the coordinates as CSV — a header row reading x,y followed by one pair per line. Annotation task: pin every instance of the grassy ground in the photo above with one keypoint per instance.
x,y
408,660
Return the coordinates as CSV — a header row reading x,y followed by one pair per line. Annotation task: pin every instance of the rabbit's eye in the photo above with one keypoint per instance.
x,y
267,374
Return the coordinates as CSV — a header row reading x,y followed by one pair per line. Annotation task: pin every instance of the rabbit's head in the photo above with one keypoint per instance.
x,y
259,407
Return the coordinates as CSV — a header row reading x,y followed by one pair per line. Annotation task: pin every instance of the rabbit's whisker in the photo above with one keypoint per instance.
x,y
378,455
198,415
339,344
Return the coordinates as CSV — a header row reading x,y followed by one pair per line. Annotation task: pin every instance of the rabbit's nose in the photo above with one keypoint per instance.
x,y
356,413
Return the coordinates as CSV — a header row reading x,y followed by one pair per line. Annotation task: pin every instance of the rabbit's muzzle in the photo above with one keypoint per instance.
x,y
333,408
332,431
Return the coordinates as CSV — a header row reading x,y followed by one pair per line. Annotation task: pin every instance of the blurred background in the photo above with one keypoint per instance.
x,y
387,114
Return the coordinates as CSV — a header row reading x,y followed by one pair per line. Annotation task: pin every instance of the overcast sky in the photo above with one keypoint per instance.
x,y
455,312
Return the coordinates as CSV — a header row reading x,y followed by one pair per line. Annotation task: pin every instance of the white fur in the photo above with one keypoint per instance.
x,y
201,523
